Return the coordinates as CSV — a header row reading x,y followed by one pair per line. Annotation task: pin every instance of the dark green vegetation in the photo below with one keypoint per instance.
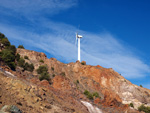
x,y
141,86
83,63
41,61
25,65
90,95
5,42
17,57
28,67
21,46
43,71
21,62
131,105
26,57
53,75
144,108
2,36
7,55
77,81
95,94
62,73
10,58
52,68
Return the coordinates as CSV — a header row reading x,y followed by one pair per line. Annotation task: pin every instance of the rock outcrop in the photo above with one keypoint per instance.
x,y
10,109
65,92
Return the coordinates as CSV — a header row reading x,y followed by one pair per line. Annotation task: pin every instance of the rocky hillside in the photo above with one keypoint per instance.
x,y
69,88
36,84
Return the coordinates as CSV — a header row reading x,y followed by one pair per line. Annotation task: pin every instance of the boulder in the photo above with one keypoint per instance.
x,y
10,109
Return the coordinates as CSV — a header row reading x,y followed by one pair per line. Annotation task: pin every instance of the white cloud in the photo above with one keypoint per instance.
x,y
34,7
96,49
58,39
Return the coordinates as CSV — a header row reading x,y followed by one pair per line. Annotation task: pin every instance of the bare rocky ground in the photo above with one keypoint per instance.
x,y
66,90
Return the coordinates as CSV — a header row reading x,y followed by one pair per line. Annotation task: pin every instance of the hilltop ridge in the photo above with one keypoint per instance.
x,y
67,88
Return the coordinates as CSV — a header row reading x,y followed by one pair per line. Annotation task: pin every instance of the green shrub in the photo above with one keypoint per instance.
x,y
21,46
2,35
95,94
26,57
17,57
12,65
77,81
12,48
8,57
41,61
44,76
62,73
86,92
31,68
83,63
141,86
28,67
144,108
90,95
21,62
52,68
5,41
8,53
25,65
53,75
131,105
42,69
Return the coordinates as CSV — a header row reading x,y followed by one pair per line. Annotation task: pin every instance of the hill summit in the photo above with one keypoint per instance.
x,y
35,84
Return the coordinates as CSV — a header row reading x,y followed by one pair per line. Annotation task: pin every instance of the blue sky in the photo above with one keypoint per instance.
x,y
115,32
